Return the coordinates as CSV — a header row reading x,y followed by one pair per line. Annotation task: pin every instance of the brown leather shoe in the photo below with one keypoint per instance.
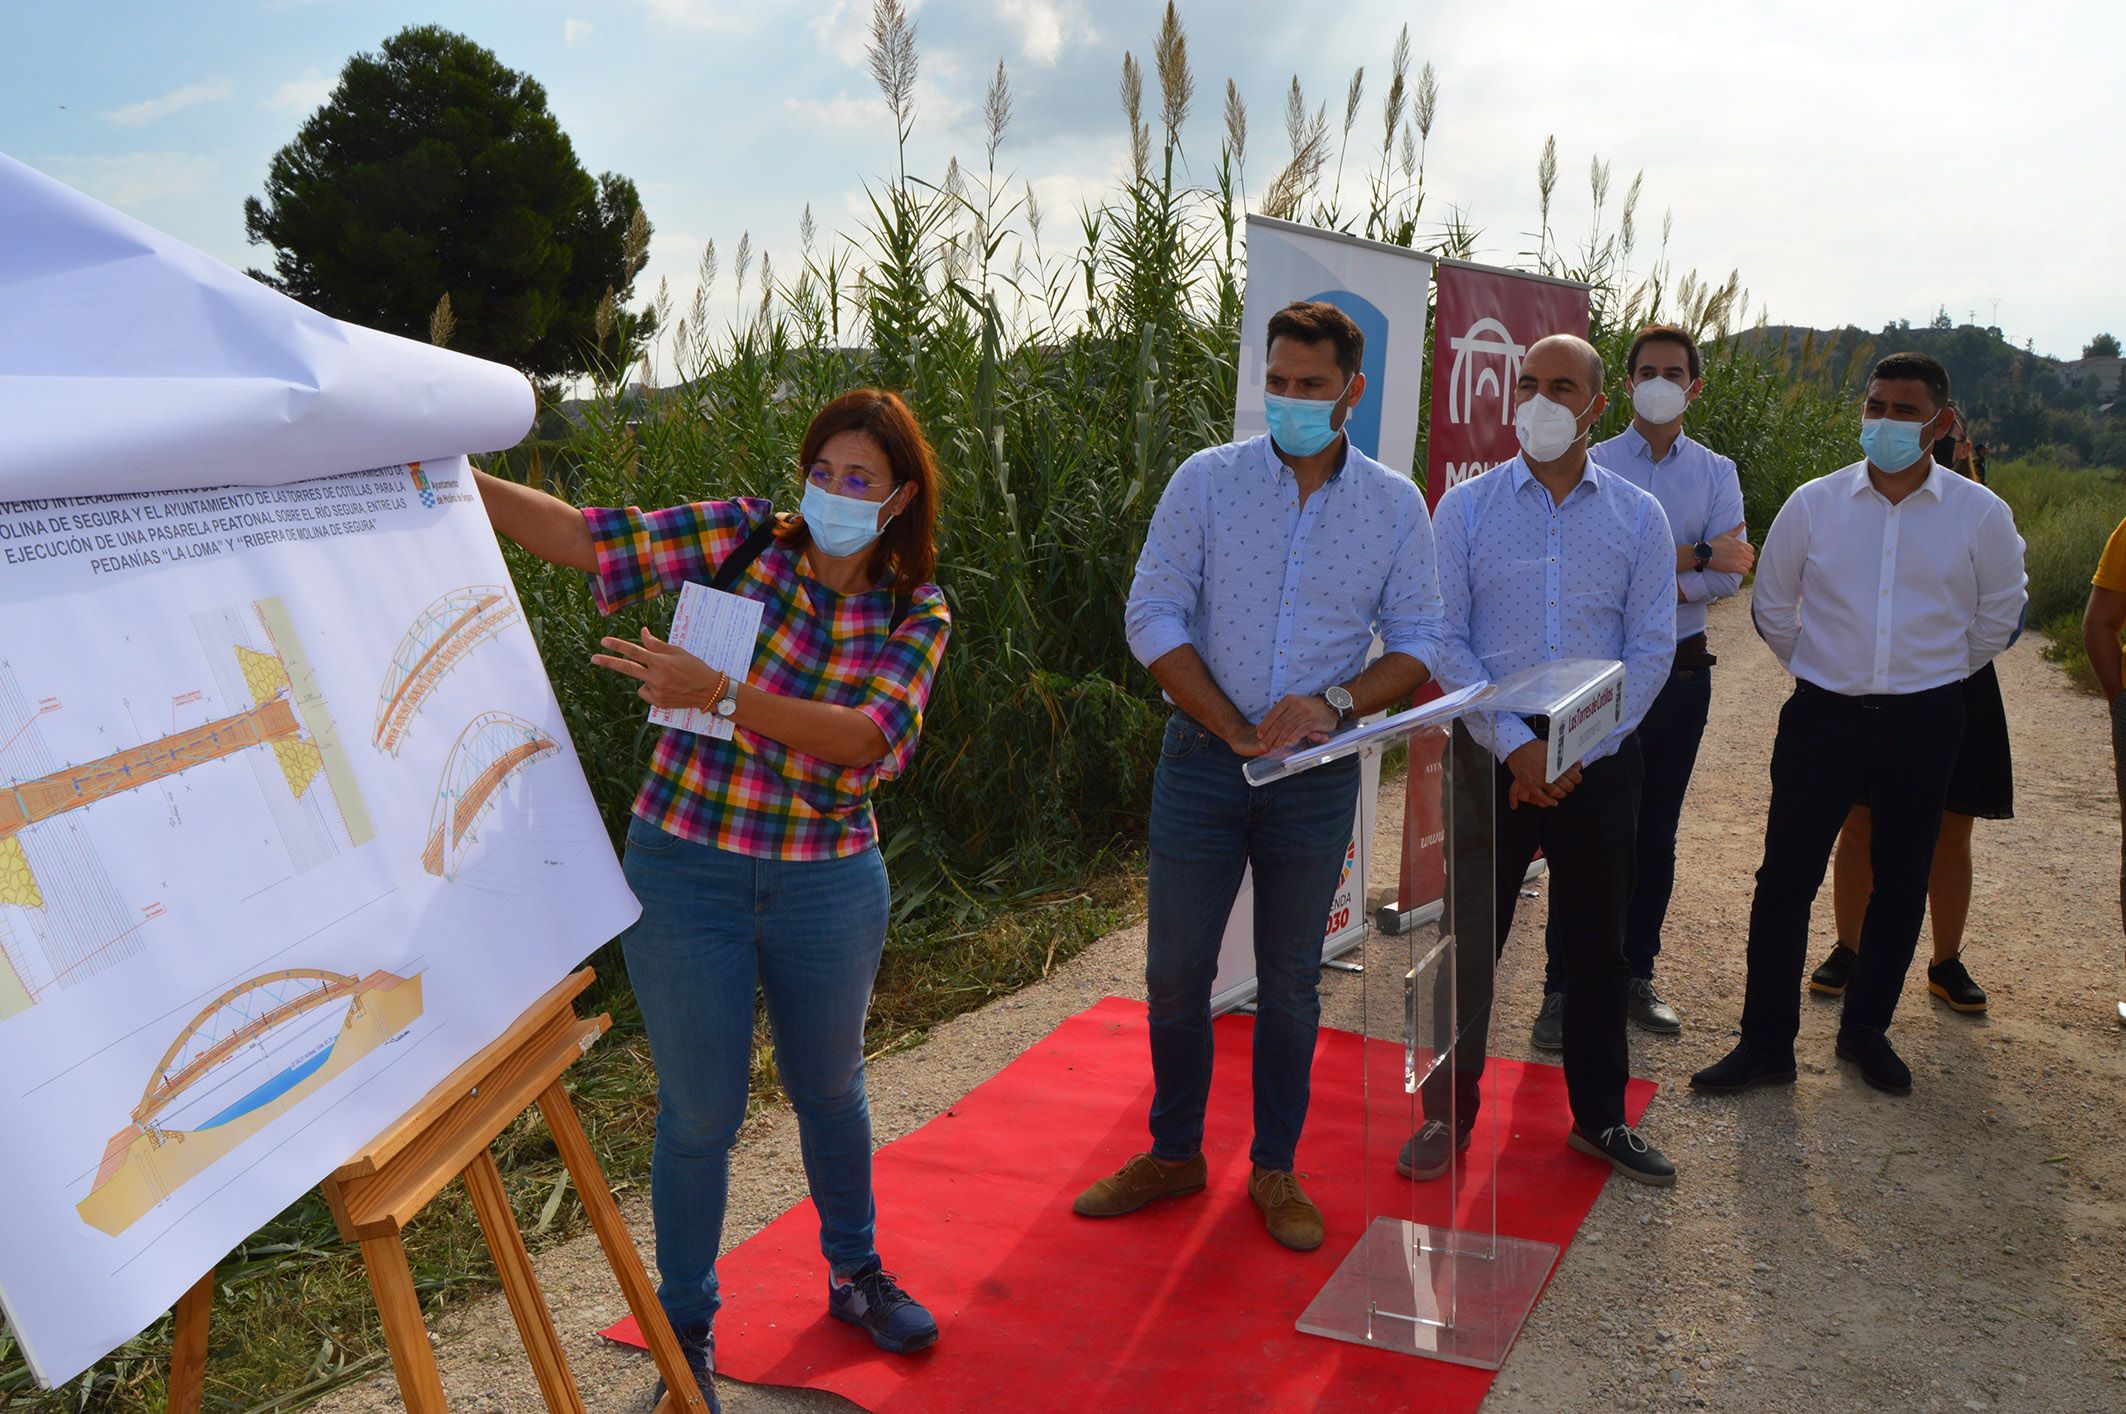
x,y
1138,1182
1291,1215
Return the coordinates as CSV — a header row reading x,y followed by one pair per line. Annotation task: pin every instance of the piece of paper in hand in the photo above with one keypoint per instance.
x,y
721,630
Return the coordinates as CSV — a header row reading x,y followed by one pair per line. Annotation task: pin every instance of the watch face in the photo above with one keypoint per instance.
x,y
1338,698
727,708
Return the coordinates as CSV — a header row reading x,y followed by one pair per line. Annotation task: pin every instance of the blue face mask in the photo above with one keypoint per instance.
x,y
1300,426
840,525
1890,445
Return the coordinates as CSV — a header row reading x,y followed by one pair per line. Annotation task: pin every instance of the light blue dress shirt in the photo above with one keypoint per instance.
x,y
1526,581
1702,496
1280,598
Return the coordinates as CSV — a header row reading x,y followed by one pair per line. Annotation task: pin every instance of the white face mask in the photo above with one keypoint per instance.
x,y
1547,430
1659,401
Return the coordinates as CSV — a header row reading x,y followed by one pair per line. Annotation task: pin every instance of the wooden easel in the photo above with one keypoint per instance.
x,y
447,1135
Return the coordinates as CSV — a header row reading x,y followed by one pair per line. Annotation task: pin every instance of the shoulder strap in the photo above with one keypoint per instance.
x,y
741,559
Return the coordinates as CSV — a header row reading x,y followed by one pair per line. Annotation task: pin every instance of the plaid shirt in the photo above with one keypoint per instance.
x,y
751,795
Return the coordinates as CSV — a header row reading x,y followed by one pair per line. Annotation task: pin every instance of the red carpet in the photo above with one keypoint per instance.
x,y
1185,1305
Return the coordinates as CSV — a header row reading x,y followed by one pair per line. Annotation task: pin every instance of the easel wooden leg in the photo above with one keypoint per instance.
x,y
412,1357
583,1170
188,1356
535,1323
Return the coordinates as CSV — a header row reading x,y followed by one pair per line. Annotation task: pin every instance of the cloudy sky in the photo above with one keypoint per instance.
x,y
1856,164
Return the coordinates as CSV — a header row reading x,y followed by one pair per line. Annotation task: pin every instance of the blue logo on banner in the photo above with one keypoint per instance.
x,y
1363,426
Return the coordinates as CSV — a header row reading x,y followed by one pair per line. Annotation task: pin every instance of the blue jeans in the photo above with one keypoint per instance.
x,y
809,933
1668,740
1207,824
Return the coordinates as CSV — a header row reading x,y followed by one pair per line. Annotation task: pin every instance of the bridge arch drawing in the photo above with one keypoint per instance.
x,y
247,1057
441,636
493,747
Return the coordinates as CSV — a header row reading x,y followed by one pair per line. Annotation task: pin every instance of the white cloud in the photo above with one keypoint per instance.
x,y
133,180
842,114
575,31
150,110
303,94
1046,26
704,14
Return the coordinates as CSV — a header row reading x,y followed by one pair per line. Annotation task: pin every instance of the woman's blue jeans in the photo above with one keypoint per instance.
x,y
808,933
1208,824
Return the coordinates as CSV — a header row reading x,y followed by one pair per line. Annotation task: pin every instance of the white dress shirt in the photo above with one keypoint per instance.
x,y
1702,496
1526,580
1862,597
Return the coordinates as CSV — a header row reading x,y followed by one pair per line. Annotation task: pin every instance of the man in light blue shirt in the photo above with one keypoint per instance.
x,y
1702,496
1269,567
1548,556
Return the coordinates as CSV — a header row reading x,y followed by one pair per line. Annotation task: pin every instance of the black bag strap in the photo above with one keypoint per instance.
x,y
741,559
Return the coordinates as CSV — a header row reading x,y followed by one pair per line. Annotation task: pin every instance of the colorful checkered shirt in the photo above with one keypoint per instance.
x,y
751,795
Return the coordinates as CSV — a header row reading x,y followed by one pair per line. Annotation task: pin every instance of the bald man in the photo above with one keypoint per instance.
x,y
1545,557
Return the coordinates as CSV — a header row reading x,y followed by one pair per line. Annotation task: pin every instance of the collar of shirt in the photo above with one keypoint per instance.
x,y
1522,477
1635,442
1277,464
1858,480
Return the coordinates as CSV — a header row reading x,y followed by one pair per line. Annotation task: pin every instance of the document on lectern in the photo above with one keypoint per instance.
x,y
1291,760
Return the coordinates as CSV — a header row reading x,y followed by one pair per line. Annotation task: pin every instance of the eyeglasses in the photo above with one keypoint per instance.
x,y
822,476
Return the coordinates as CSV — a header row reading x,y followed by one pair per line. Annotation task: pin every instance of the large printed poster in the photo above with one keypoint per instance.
x,y
290,827
1384,289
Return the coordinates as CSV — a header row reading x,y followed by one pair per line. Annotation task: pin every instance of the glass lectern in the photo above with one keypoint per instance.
x,y
1432,1272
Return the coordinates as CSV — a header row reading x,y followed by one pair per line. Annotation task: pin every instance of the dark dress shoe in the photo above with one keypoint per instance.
x,y
1952,983
1879,1065
1836,971
1744,1068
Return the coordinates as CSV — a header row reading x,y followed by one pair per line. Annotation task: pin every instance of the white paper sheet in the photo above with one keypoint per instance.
x,y
720,629
131,362
290,826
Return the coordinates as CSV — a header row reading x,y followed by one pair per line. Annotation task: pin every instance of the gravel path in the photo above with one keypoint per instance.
x,y
1825,1247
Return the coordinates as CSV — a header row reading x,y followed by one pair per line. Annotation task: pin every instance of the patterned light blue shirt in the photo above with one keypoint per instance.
x,y
1702,496
1280,598
1526,581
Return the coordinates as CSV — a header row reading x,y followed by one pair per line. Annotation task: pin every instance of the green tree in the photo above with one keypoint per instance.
x,y
2102,346
434,170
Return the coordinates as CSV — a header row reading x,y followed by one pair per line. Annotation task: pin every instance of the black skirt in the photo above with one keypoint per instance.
x,y
1983,783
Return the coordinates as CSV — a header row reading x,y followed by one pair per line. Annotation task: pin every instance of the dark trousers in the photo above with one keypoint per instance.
x,y
1668,742
1901,750
1208,824
1587,840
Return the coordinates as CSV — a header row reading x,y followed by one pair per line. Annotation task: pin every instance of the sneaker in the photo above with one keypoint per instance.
x,y
1288,1212
1548,1033
1837,970
1428,1151
1744,1068
1949,981
1879,1064
1138,1182
1626,1151
871,1298
698,1344
1648,1012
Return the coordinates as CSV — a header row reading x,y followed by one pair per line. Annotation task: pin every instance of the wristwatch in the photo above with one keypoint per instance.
x,y
727,705
1702,553
1339,699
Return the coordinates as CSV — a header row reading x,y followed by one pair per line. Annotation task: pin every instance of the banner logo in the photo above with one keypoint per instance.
x,y
1472,374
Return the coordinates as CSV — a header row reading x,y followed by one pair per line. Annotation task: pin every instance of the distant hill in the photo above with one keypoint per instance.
x,y
2013,398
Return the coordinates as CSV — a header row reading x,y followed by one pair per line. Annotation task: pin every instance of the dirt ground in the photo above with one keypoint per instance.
x,y
1825,1247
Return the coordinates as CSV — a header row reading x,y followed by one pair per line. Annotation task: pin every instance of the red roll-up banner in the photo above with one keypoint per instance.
x,y
1483,320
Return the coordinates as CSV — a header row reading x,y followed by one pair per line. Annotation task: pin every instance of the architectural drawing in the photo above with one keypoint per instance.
x,y
60,921
492,748
249,1056
440,638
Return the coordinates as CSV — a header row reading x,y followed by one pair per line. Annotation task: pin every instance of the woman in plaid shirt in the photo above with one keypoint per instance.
x,y
756,858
